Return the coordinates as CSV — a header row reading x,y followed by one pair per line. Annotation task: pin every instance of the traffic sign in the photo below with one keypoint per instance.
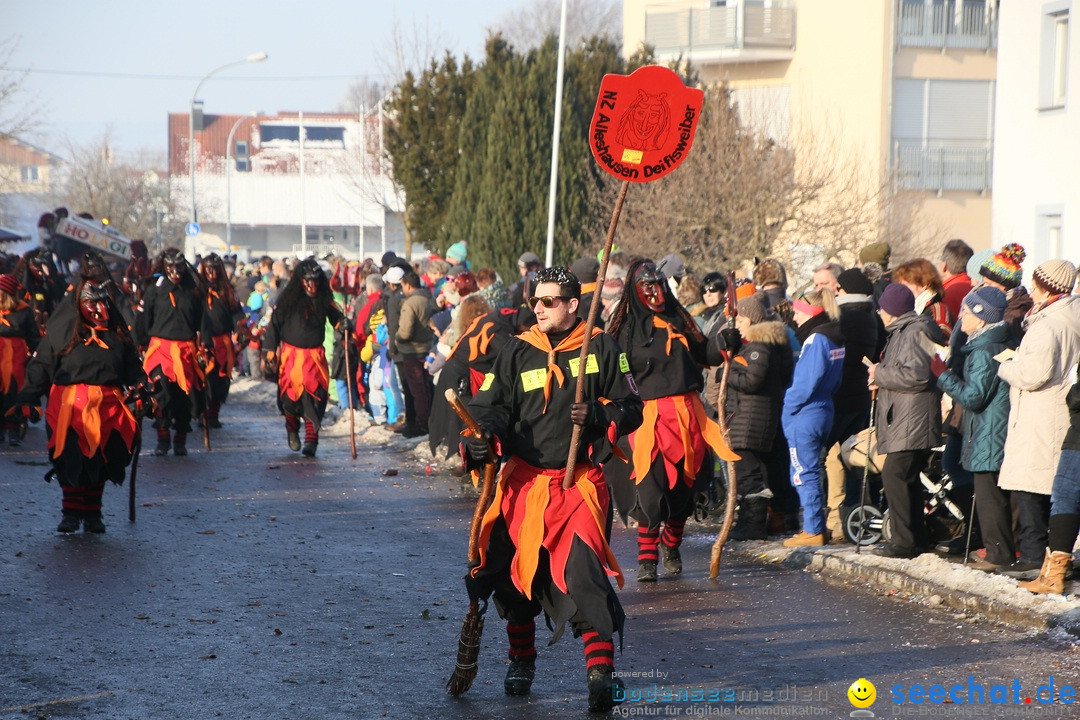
x,y
192,229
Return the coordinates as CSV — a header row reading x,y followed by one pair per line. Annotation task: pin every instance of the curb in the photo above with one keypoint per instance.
x,y
932,581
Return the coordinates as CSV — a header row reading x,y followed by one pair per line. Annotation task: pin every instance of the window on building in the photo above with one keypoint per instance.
x,y
279,133
241,149
1049,231
942,133
321,133
243,165
1054,55
29,173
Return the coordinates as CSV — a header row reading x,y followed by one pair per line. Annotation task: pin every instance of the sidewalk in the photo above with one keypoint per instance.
x,y
931,580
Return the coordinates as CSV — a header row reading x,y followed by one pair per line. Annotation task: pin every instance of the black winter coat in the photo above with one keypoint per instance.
x,y
756,388
859,326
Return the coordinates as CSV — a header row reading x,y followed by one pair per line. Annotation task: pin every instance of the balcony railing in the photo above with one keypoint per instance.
x,y
941,165
750,24
947,24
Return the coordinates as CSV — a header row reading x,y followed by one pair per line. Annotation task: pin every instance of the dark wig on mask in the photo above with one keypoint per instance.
x,y
222,287
293,298
81,330
640,316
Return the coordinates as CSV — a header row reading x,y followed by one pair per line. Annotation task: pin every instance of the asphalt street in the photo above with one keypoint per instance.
x,y
259,584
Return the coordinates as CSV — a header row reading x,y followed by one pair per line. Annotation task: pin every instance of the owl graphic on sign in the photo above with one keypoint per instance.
x,y
644,124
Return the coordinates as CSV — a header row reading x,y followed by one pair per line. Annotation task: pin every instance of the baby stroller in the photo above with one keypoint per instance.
x,y
945,520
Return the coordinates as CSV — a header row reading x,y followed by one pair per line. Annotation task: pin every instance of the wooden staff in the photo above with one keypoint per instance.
x,y
136,450
472,627
348,383
729,508
579,393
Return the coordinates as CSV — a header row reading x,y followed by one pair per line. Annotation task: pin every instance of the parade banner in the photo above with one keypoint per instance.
x,y
95,235
644,123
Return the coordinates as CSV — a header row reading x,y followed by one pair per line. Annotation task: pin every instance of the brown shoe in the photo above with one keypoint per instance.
x,y
1051,580
399,426
805,539
982,564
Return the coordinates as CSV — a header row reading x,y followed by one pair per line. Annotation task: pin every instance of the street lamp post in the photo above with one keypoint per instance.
x,y
253,57
228,179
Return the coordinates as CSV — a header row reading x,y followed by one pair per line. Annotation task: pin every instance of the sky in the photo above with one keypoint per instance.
x,y
120,66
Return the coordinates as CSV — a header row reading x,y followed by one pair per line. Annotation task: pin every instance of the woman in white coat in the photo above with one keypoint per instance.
x,y
1039,378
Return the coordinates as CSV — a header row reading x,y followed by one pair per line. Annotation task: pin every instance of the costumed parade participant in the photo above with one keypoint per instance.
x,y
37,274
543,547
91,430
294,345
666,353
19,337
222,317
168,324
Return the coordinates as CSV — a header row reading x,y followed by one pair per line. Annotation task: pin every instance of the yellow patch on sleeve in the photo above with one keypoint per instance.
x,y
624,364
488,379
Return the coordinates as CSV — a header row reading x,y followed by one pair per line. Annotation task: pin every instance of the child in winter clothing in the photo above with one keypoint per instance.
x,y
984,423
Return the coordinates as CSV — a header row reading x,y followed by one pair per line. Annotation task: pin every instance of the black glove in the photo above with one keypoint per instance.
x,y
732,338
585,414
479,448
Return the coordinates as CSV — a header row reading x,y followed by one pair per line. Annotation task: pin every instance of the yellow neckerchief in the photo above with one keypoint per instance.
x,y
472,326
673,334
95,339
587,288
209,298
539,340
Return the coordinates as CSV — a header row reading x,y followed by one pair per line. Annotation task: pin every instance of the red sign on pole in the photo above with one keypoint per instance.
x,y
644,123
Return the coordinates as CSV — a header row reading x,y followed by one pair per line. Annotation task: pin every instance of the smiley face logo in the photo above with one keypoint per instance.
x,y
862,693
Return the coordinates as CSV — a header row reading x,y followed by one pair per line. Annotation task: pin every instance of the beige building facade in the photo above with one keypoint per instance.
x,y
904,87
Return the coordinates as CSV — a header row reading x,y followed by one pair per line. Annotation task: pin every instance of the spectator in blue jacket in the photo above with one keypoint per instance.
x,y
808,406
985,420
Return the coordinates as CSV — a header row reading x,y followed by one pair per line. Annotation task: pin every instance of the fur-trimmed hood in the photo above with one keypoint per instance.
x,y
772,332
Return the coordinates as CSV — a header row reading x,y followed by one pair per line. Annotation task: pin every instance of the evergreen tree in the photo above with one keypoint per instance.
x,y
421,142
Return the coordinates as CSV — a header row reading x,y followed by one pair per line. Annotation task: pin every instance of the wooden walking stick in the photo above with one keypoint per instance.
x,y
473,626
136,450
579,391
348,383
721,413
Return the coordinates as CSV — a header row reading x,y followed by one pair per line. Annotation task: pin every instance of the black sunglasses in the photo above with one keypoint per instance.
x,y
547,301
713,288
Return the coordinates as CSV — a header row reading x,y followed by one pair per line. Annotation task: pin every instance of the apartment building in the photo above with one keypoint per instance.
x,y
25,186
285,183
1038,131
906,86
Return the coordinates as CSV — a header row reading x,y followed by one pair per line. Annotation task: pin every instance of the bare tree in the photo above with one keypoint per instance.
x,y
133,194
363,94
526,27
742,195
17,117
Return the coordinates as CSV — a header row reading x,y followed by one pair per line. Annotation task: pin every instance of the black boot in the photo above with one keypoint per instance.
x,y
294,440
752,523
163,442
309,448
92,523
672,559
179,444
646,571
69,523
519,676
605,690
15,437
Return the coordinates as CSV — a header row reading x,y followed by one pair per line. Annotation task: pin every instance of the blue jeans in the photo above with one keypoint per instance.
x,y
343,397
807,445
1065,494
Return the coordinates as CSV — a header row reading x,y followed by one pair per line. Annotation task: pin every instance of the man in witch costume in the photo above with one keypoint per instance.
x,y
294,344
543,547
666,354
168,324
85,368
222,317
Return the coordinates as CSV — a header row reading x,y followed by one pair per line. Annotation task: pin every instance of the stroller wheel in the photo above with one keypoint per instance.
x,y
869,519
